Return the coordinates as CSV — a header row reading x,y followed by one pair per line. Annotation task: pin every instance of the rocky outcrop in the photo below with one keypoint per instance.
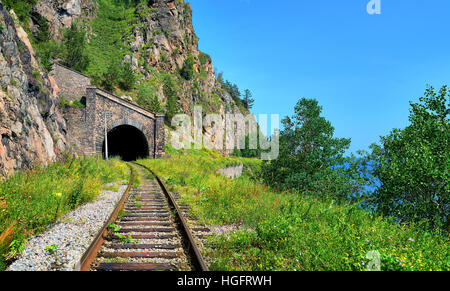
x,y
61,13
163,38
31,127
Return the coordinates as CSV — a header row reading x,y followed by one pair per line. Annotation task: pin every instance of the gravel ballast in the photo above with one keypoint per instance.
x,y
72,235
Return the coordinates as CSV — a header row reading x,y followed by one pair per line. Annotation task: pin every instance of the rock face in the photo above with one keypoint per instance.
x,y
163,39
32,129
61,13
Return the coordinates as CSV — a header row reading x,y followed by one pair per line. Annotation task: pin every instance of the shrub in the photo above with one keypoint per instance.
x,y
22,8
148,99
111,77
74,44
187,72
128,78
412,164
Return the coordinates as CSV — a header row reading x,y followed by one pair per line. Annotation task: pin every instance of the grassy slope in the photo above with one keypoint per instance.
x,y
110,29
32,200
106,45
291,232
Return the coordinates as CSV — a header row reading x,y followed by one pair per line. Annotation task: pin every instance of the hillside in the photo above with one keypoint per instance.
x,y
31,126
146,53
264,229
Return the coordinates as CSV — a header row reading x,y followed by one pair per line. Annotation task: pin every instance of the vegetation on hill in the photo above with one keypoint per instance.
x,y
291,230
311,209
320,210
22,8
98,48
32,200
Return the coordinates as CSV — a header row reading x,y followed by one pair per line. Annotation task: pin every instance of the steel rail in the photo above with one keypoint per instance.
x,y
194,252
91,253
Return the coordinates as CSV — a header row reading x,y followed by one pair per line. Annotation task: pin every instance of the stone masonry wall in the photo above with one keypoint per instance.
x,y
86,127
76,124
71,84
120,112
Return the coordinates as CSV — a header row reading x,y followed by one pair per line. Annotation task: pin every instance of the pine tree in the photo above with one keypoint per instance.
x,y
74,43
126,4
248,99
111,76
128,78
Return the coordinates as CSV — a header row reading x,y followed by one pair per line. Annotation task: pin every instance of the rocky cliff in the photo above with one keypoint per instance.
x,y
157,38
61,13
163,38
31,127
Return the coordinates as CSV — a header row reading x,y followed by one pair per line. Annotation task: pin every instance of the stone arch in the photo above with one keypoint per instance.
x,y
127,121
128,139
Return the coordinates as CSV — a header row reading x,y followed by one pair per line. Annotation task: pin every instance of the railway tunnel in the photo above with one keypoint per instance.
x,y
127,142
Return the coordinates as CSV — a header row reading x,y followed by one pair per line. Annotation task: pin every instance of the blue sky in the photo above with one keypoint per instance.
x,y
364,69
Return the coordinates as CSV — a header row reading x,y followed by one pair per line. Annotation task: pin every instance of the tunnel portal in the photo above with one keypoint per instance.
x,y
128,143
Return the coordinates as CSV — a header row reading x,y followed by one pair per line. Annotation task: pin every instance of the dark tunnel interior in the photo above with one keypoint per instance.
x,y
128,143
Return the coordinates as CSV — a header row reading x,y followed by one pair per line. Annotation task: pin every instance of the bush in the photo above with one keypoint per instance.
x,y
148,99
247,152
128,78
187,72
22,8
111,77
74,44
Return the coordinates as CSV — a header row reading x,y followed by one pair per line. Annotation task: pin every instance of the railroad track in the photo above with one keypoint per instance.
x,y
146,232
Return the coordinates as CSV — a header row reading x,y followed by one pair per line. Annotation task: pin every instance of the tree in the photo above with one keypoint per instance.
x,y
128,78
111,77
308,154
43,31
126,4
187,72
148,99
234,91
172,106
413,164
248,99
74,43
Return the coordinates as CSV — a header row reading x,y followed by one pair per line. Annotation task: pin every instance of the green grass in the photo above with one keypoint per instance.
x,y
290,231
32,200
108,28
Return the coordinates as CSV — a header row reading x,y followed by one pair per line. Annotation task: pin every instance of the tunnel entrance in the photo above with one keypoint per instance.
x,y
128,143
